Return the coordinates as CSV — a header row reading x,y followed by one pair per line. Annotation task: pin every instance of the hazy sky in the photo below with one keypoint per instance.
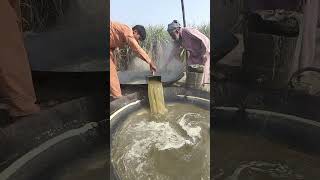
x,y
151,12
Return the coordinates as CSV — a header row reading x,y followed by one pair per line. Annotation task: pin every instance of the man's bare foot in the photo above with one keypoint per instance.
x,y
113,98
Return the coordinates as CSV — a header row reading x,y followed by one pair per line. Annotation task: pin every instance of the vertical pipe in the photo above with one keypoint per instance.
x,y
184,19
184,25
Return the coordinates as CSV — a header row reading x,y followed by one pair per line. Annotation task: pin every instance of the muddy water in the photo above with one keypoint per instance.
x,y
91,166
174,147
244,157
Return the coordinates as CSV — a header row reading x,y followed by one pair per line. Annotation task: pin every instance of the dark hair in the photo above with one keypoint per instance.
x,y
141,30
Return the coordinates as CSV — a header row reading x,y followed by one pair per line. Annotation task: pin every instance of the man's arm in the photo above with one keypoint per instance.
x,y
204,48
133,44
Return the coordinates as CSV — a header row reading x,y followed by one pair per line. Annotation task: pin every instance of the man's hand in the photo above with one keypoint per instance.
x,y
204,58
153,67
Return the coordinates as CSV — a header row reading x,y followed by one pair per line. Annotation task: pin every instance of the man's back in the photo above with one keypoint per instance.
x,y
190,35
118,34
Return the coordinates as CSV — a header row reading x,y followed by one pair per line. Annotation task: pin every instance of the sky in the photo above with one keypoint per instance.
x,y
161,12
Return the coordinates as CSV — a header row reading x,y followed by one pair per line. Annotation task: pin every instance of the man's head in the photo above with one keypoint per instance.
x,y
139,33
174,30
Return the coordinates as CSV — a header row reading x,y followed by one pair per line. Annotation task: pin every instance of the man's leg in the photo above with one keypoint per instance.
x,y
16,85
15,4
310,22
115,89
206,71
206,74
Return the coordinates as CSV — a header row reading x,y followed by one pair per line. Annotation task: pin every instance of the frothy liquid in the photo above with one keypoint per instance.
x,y
264,171
245,156
173,148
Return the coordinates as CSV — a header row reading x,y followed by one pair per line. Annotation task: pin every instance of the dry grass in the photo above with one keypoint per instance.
x,y
39,14
155,43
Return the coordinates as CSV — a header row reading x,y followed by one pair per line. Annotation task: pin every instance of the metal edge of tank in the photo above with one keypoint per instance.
x,y
168,92
172,94
178,76
60,138
54,152
298,133
288,102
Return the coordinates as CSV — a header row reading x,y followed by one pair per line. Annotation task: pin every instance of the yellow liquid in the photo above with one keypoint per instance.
x,y
156,98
